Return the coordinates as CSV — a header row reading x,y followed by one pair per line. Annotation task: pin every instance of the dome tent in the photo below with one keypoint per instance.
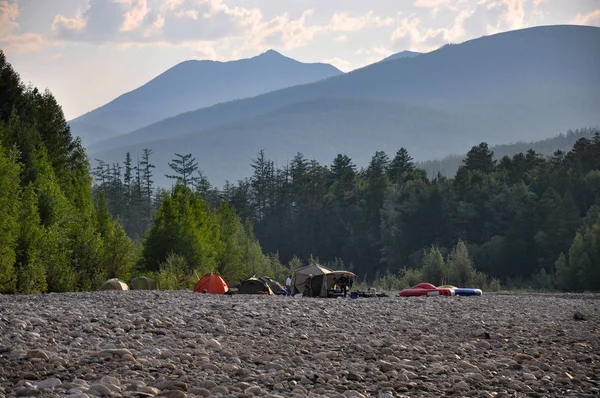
x,y
114,284
254,285
142,283
212,283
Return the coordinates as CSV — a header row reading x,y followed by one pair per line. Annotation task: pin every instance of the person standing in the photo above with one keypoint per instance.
x,y
288,285
344,281
308,292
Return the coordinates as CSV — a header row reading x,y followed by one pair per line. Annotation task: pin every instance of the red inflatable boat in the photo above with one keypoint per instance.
x,y
426,289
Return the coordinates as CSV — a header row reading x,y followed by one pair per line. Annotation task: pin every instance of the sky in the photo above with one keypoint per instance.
x,y
87,52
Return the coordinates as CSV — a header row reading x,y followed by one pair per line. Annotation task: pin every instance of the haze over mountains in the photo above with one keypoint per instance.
x,y
521,85
195,84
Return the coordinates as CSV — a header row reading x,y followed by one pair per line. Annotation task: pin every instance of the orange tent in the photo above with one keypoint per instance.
x,y
211,283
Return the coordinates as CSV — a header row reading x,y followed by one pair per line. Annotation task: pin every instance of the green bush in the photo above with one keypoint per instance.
x,y
174,273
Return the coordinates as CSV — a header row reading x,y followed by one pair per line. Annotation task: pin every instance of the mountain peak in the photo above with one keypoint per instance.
x,y
271,54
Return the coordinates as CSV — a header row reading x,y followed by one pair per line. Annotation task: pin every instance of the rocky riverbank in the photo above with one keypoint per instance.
x,y
183,344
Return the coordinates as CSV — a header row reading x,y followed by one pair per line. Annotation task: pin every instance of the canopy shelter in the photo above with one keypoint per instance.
x,y
254,285
114,284
334,288
335,276
317,274
212,283
142,283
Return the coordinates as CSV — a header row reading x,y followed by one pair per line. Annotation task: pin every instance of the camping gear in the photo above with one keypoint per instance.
x,y
367,294
212,283
254,285
114,284
426,289
274,285
463,291
318,275
142,283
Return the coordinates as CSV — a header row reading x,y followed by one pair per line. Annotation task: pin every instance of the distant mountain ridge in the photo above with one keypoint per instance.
x,y
449,165
519,85
190,85
400,55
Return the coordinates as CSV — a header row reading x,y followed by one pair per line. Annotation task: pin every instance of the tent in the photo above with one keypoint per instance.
x,y
254,285
142,283
212,283
274,285
114,284
319,280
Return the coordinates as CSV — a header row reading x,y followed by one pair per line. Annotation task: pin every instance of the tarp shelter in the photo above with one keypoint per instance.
x,y
273,284
142,283
337,275
212,283
319,280
254,285
114,284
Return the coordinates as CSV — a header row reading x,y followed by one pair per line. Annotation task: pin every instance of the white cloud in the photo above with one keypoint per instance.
x,y
592,18
514,16
185,22
432,3
134,18
343,22
25,42
9,13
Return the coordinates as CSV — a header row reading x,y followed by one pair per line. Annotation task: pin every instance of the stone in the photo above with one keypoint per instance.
x,y
49,383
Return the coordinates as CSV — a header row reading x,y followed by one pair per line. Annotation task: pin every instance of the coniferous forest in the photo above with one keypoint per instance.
x,y
523,221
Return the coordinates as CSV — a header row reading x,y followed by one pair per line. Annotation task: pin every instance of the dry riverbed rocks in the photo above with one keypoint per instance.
x,y
182,344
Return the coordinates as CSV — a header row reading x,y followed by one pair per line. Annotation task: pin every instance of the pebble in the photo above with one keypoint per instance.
x,y
180,344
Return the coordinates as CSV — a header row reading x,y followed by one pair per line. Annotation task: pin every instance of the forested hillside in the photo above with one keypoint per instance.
x,y
526,219
448,166
55,236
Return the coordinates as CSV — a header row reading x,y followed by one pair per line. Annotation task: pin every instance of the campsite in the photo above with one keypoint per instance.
x,y
187,344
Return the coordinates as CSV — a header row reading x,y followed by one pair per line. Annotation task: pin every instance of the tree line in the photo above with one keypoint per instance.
x,y
525,220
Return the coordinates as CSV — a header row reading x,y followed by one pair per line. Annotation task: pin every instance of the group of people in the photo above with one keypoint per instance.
x,y
338,285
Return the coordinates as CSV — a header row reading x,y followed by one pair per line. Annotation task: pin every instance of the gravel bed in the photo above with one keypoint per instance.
x,y
182,344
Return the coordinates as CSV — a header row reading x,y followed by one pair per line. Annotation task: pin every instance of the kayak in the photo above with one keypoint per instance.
x,y
426,289
463,291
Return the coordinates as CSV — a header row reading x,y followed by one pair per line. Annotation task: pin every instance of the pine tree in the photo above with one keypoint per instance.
x,y
9,219
31,270
184,166
400,165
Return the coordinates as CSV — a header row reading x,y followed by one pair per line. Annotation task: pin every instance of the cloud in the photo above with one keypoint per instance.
x,y
192,23
473,19
9,12
341,38
343,22
592,18
432,3
10,42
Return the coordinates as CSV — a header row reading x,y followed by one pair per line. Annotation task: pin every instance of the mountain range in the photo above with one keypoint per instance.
x,y
195,84
520,85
